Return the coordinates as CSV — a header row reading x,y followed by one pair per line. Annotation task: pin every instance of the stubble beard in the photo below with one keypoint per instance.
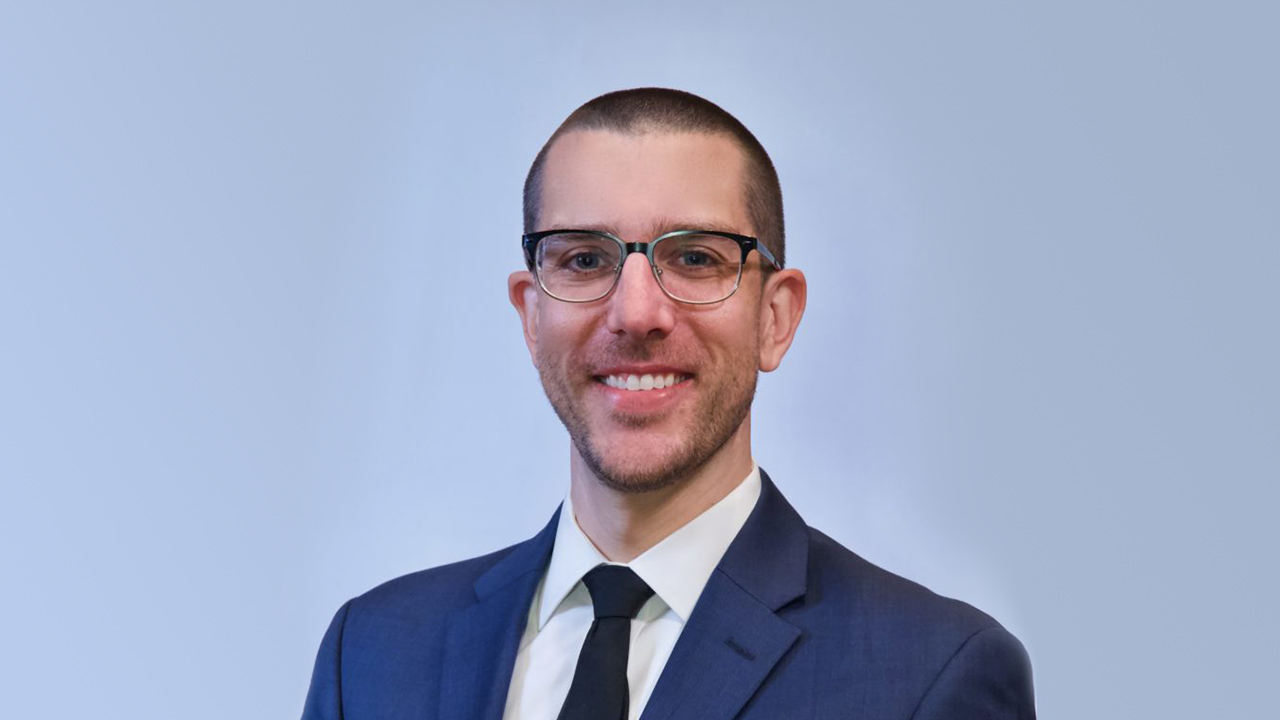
x,y
717,417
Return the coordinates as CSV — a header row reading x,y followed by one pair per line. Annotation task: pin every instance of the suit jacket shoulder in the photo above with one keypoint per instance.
x,y
441,587
398,650
879,600
901,648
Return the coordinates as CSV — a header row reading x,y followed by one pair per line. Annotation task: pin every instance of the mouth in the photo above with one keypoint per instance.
x,y
646,382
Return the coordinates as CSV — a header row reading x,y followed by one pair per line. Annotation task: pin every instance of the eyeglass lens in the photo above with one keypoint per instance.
x,y
694,268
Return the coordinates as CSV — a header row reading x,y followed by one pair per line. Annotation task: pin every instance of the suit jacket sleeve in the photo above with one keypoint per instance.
x,y
989,677
324,698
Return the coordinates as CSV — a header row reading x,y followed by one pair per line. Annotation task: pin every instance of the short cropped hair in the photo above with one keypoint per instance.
x,y
661,109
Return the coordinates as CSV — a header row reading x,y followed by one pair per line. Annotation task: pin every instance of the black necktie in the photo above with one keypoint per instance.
x,y
599,688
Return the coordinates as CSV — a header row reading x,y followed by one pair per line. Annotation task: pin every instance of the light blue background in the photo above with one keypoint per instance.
x,y
243,377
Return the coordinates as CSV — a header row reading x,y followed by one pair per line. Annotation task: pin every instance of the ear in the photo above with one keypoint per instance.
x,y
781,306
522,289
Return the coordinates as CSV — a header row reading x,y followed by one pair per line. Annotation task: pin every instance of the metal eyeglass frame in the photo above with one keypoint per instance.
x,y
530,244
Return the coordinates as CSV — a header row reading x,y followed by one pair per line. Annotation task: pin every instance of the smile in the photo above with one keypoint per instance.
x,y
642,383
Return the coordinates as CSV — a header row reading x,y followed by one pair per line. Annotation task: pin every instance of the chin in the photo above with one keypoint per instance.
x,y
636,467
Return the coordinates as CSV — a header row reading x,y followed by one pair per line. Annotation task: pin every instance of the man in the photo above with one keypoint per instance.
x,y
675,581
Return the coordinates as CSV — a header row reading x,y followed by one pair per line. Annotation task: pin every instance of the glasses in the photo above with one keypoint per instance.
x,y
692,266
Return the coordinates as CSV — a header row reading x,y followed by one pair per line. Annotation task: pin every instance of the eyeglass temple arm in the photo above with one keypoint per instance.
x,y
763,250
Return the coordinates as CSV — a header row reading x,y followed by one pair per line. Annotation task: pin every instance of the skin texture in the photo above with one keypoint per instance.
x,y
644,464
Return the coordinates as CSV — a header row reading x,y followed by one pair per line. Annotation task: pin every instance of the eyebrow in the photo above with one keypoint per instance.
x,y
661,227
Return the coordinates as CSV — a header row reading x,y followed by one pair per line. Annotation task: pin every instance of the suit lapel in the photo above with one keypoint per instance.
x,y
482,638
734,637
722,656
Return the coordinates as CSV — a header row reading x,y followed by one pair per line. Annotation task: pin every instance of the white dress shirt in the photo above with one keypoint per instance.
x,y
561,614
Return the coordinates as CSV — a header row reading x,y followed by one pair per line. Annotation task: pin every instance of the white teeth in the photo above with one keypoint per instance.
x,y
642,383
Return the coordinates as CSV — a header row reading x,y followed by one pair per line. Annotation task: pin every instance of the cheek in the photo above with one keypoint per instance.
x,y
732,344
562,338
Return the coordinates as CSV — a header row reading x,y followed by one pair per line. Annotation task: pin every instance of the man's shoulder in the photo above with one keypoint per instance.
x,y
884,603
437,588
458,584
936,656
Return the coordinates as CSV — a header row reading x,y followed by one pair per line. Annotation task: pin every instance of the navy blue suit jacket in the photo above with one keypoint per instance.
x,y
791,625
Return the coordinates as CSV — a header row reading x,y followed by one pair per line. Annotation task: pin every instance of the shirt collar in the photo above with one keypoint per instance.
x,y
677,568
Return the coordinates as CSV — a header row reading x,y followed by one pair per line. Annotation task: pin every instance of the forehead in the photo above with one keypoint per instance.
x,y
641,185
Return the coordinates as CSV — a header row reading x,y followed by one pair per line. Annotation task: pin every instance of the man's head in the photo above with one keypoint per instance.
x,y
638,164
660,110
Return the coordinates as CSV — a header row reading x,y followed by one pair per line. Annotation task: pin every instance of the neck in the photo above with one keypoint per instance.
x,y
624,525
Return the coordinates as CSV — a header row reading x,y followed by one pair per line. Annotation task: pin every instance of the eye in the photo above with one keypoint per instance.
x,y
577,256
696,258
697,255
584,260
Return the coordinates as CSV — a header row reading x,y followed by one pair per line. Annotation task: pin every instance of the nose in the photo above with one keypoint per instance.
x,y
638,307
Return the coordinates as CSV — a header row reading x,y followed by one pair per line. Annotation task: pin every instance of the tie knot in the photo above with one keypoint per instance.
x,y
616,591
